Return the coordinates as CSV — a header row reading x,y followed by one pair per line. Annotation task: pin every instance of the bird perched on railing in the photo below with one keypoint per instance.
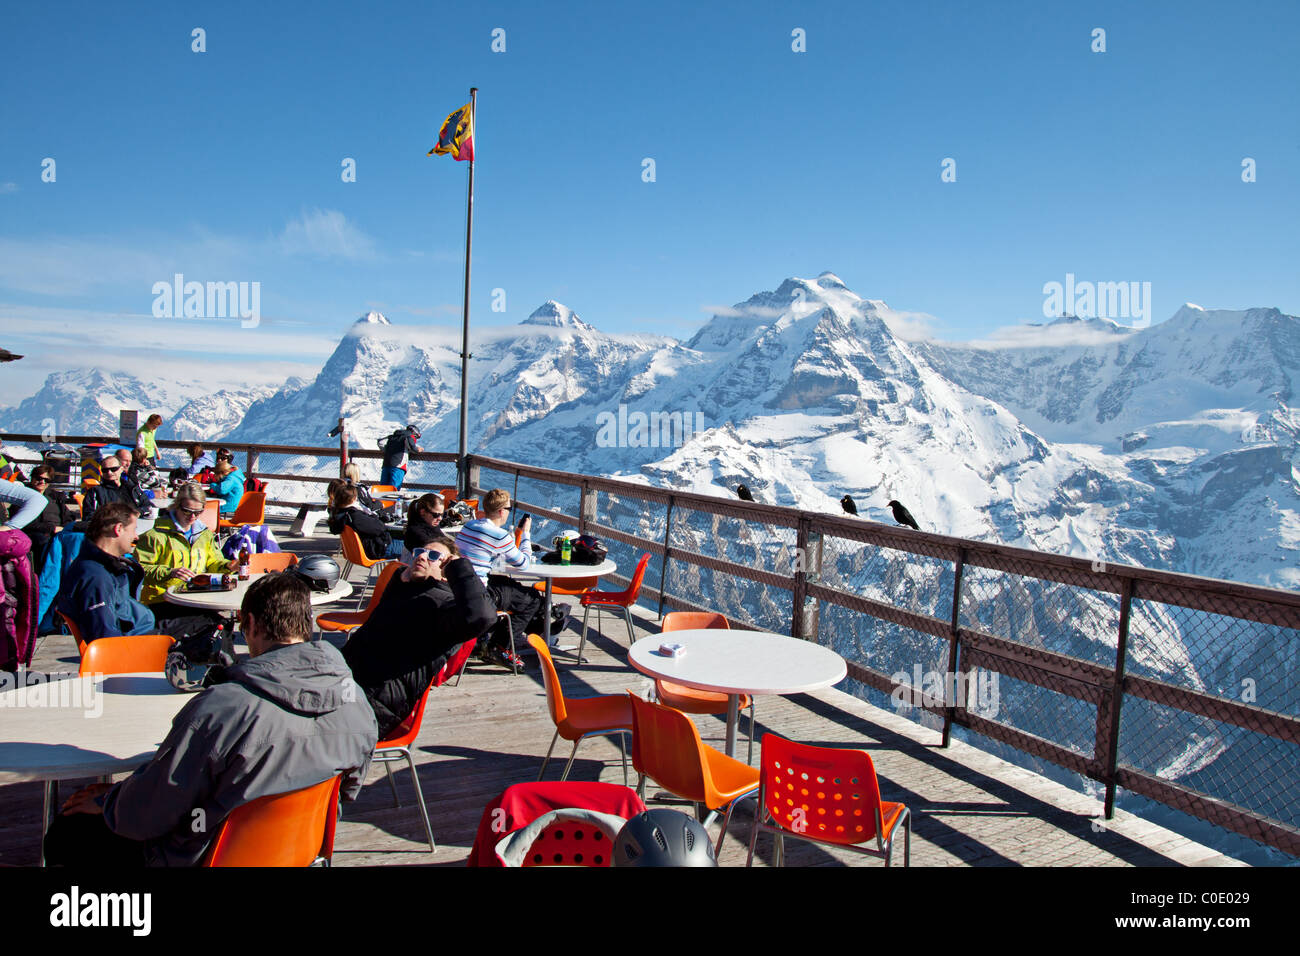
x,y
847,504
742,492
902,515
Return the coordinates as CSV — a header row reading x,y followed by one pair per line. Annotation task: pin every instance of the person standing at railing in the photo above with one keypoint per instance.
x,y
398,447
146,438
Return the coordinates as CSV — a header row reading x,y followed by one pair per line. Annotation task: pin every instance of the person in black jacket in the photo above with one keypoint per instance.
x,y
52,520
397,447
346,511
113,487
425,614
423,519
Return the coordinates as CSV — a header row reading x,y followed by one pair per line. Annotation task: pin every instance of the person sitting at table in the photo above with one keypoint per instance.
x,y
426,612
175,549
51,521
352,476
488,544
229,487
347,512
98,590
423,518
199,460
142,470
285,718
111,487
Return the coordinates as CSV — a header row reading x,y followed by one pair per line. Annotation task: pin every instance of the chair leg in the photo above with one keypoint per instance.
x,y
573,753
392,785
622,749
419,796
583,643
726,819
631,634
640,786
750,758
541,773
753,834
778,852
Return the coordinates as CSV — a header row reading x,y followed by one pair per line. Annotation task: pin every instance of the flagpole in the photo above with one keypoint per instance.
x,y
464,347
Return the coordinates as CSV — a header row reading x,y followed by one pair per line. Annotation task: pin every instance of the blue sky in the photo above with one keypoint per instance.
x,y
225,165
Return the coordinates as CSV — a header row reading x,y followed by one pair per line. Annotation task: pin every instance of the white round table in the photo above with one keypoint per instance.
x,y
739,662
83,727
229,601
551,573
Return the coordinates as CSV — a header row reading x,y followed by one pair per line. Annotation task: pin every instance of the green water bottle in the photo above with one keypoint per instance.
x,y
566,550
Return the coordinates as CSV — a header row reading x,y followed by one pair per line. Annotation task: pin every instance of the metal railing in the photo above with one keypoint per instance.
x,y
1183,689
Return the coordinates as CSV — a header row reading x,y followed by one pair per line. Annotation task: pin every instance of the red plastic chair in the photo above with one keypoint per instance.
x,y
397,746
283,829
524,804
687,699
347,620
455,666
825,795
623,600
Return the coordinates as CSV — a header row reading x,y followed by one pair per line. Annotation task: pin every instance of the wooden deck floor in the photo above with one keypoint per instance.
x,y
969,808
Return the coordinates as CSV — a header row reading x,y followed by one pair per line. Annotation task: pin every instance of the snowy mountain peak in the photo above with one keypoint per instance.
x,y
829,280
555,315
373,318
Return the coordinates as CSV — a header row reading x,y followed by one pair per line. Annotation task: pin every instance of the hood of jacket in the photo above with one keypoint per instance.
x,y
308,678
114,565
14,544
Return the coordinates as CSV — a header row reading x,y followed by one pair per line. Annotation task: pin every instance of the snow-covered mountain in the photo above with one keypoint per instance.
x,y
86,401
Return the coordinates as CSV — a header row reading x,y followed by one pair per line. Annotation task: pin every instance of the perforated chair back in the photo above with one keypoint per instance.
x,y
823,793
283,829
570,843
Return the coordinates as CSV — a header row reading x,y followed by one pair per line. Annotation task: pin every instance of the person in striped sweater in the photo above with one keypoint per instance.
x,y
488,544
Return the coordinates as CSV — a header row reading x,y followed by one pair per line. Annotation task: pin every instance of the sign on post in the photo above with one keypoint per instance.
x,y
128,426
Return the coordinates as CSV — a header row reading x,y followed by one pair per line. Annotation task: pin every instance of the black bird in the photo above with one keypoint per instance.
x,y
7,356
847,504
743,493
902,515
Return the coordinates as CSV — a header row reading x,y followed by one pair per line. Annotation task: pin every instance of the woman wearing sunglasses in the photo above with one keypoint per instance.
x,y
426,612
178,547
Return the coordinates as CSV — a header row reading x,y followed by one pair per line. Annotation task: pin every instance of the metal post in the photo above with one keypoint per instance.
x,y
343,446
800,586
464,346
253,461
663,568
954,644
1117,695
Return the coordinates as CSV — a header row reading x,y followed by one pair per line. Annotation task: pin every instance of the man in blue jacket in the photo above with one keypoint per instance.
x,y
98,592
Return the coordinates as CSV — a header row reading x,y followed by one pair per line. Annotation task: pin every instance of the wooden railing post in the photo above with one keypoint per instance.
x,y
586,507
1116,698
343,446
468,473
954,646
253,461
807,568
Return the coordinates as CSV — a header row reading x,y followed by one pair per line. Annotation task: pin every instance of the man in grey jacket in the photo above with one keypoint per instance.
x,y
289,717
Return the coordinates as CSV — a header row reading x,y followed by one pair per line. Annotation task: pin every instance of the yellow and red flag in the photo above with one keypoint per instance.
x,y
457,135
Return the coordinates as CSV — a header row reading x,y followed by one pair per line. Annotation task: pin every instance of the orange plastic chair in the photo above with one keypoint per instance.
x,y
74,631
687,699
579,717
271,561
666,747
397,746
623,600
355,553
250,510
572,587
381,489
826,795
211,516
347,620
283,829
448,497
142,653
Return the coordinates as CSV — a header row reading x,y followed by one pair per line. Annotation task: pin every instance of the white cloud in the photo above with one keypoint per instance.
x,y
326,234
748,312
1064,335
8,188
908,326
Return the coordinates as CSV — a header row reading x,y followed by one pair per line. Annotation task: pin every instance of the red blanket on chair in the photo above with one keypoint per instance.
x,y
523,803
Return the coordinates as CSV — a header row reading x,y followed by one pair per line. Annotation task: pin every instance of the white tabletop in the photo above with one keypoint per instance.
x,y
100,726
231,600
396,495
560,571
739,662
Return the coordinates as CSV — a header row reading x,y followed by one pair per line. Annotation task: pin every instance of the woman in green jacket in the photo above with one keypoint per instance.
x,y
178,547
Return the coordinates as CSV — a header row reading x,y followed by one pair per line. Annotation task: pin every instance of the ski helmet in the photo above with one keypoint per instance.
x,y
320,571
663,838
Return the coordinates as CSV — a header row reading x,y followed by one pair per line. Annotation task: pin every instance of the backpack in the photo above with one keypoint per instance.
x,y
589,549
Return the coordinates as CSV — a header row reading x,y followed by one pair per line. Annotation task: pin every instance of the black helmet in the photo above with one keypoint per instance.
x,y
415,432
320,571
663,838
